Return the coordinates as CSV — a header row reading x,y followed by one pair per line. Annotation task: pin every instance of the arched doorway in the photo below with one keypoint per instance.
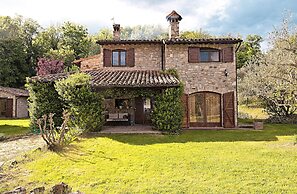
x,y
205,109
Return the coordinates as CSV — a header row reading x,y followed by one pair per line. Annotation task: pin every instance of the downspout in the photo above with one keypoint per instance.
x,y
236,84
163,55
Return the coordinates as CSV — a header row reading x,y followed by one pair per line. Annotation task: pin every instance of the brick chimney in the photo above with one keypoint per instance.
x,y
174,19
116,32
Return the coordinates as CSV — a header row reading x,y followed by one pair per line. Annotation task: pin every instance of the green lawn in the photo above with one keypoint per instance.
x,y
13,127
255,113
230,161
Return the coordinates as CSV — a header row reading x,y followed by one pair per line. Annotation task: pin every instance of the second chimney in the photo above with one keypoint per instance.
x,y
174,19
116,32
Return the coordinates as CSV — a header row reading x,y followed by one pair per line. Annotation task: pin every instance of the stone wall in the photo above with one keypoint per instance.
x,y
199,77
147,56
91,63
22,107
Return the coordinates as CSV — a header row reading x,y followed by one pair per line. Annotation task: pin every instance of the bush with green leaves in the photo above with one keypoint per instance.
x,y
167,114
84,105
43,100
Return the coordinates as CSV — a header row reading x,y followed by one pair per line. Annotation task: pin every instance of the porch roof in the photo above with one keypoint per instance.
x,y
121,78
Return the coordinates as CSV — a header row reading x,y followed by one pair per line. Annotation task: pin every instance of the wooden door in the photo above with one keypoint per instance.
x,y
205,109
139,110
9,108
228,110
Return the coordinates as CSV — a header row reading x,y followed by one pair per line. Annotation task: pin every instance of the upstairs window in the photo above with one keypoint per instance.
x,y
204,55
209,55
119,58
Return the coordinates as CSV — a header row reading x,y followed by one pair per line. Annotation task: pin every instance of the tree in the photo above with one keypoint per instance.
x,y
65,43
249,48
17,52
144,32
46,66
272,77
195,34
75,37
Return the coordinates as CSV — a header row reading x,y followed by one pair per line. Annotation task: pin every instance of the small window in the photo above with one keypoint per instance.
x,y
209,55
119,58
122,103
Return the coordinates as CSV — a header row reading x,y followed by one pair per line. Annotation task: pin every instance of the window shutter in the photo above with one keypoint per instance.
x,y
130,57
107,58
193,54
227,54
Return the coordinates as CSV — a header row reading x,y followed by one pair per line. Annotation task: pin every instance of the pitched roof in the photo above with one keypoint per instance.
x,y
14,91
121,78
174,41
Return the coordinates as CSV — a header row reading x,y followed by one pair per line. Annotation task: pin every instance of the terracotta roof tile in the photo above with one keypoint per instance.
x,y
174,41
121,78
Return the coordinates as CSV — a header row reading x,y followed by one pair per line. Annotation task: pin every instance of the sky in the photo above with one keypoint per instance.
x,y
219,17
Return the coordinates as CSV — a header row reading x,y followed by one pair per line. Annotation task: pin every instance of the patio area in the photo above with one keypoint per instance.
x,y
131,129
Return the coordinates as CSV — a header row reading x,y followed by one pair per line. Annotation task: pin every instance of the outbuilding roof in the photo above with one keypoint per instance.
x,y
14,91
121,78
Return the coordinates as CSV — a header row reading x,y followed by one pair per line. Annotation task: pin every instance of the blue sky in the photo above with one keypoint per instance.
x,y
214,16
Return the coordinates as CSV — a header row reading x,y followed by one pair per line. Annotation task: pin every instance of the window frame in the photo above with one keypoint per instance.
x,y
119,64
209,50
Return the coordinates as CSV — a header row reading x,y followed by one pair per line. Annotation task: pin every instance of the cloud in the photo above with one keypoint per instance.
x,y
215,16
252,17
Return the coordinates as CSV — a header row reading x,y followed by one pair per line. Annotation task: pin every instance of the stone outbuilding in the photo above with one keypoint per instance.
x,y
13,102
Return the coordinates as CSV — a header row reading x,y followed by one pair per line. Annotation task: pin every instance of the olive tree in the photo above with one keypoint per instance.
x,y
272,76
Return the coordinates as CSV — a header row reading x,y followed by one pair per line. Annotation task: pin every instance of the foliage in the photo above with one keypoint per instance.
x,y
65,43
72,68
167,114
194,34
272,76
249,48
243,161
43,100
17,52
56,137
84,105
46,66
75,37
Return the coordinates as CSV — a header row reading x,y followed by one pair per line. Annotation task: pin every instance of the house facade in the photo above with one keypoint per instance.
x,y
206,67
13,103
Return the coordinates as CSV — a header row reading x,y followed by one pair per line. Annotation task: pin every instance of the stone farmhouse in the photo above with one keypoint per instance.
x,y
206,67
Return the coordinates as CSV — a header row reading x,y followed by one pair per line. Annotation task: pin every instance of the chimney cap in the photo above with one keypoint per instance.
x,y
174,15
116,27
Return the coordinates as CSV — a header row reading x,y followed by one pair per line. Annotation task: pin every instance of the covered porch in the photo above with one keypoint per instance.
x,y
129,95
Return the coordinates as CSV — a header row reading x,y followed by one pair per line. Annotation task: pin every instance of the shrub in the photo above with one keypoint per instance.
x,y
291,119
84,105
56,137
167,114
43,100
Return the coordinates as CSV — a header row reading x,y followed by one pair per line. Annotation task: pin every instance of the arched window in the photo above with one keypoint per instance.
x,y
205,109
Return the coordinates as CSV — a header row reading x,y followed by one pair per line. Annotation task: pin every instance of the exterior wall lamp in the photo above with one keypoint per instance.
x,y
226,72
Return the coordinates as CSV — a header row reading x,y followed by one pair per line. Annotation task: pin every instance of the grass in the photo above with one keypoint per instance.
x,y
254,113
13,127
231,161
